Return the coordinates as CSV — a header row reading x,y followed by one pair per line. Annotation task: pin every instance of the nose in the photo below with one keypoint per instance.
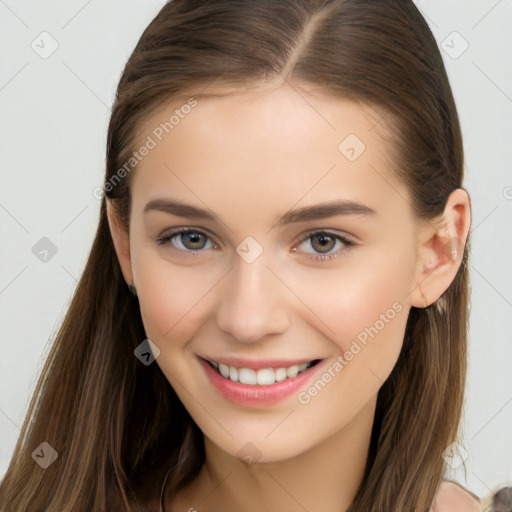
x,y
253,302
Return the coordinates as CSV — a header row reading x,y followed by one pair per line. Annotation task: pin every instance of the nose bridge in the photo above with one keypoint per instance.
x,y
253,304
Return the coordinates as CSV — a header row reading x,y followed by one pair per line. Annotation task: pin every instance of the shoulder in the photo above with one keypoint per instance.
x,y
452,497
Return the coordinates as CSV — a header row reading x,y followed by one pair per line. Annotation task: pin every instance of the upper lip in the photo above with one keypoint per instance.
x,y
257,364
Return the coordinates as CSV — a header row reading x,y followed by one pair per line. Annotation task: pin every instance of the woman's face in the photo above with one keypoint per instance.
x,y
254,285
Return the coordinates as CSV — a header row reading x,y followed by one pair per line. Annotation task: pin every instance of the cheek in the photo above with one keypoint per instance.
x,y
170,297
368,317
364,304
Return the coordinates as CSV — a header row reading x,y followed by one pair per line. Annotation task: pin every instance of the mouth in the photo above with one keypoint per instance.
x,y
260,377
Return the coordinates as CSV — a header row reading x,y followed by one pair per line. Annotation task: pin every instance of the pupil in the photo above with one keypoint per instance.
x,y
325,239
194,238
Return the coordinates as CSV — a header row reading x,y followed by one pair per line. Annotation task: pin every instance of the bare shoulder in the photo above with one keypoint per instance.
x,y
452,497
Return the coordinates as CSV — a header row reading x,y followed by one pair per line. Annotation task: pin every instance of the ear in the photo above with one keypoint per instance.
x,y
121,239
441,243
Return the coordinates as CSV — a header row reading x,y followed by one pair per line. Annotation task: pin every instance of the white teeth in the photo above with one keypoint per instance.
x,y
280,374
262,377
224,369
247,376
233,373
292,371
265,377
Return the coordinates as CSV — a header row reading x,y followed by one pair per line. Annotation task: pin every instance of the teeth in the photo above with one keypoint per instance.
x,y
262,377
292,371
247,376
233,373
265,377
224,370
280,374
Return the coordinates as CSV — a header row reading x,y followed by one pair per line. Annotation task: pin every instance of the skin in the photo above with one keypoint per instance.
x,y
452,497
250,157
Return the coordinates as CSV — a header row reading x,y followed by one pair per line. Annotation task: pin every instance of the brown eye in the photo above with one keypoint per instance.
x,y
325,242
193,240
185,239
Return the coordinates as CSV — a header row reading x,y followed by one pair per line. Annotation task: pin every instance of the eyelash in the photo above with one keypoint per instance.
x,y
167,237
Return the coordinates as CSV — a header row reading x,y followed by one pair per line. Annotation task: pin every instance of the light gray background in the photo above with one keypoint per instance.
x,y
54,115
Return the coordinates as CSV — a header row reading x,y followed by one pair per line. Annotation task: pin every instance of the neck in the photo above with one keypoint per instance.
x,y
326,477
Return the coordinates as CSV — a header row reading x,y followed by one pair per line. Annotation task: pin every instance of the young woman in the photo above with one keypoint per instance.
x,y
284,200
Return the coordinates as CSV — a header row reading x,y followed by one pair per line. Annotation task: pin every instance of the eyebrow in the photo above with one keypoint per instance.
x,y
304,214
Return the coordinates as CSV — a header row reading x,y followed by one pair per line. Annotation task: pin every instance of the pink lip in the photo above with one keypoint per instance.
x,y
247,395
238,362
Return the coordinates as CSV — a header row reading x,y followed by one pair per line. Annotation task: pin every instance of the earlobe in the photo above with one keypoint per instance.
x,y
121,240
441,244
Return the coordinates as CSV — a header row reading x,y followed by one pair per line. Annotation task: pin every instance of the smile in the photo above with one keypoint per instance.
x,y
261,386
261,377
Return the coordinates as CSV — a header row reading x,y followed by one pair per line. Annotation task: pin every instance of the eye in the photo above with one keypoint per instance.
x,y
186,239
191,241
325,241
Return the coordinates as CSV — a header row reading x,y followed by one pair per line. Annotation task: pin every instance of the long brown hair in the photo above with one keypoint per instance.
x,y
116,424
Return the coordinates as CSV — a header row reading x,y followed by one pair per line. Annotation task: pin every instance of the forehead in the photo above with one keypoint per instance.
x,y
282,142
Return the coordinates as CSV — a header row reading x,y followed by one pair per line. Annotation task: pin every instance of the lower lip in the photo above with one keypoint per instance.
x,y
256,395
